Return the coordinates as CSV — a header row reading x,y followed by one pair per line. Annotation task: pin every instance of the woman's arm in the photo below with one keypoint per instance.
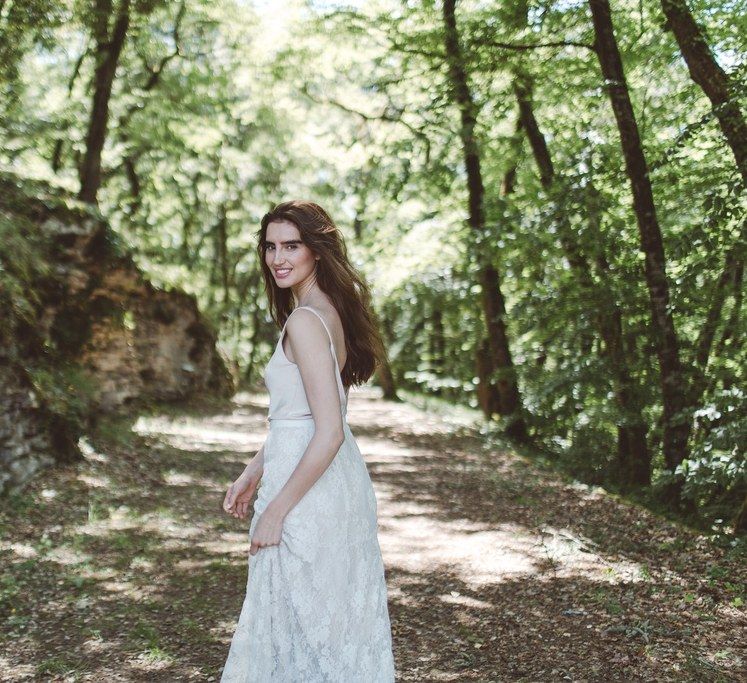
x,y
311,349
256,464
240,492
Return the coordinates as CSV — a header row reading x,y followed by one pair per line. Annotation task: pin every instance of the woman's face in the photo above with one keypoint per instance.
x,y
288,258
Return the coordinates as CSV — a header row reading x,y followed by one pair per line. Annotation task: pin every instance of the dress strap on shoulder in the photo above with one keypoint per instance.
x,y
331,343
318,315
329,334
338,375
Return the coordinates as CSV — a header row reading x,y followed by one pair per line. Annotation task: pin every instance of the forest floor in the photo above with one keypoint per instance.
x,y
124,567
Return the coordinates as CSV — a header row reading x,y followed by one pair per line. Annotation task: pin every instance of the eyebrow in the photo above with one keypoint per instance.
x,y
286,242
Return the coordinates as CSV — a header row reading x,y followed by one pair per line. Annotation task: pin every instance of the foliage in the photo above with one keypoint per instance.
x,y
221,109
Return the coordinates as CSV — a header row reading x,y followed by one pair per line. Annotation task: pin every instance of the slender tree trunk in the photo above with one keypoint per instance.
x,y
718,298
108,50
487,393
133,180
729,336
384,374
438,345
386,382
187,252
721,90
253,345
634,460
706,72
221,255
60,141
676,421
489,277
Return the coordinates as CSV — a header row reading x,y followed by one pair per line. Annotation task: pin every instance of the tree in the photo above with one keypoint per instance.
x,y
674,387
490,280
108,47
708,74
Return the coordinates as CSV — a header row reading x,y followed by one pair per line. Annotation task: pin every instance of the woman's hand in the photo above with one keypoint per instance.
x,y
268,530
239,494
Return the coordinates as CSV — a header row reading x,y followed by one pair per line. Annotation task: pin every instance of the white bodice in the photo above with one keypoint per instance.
x,y
285,386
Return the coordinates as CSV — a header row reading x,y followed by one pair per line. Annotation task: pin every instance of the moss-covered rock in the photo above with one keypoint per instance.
x,y
82,330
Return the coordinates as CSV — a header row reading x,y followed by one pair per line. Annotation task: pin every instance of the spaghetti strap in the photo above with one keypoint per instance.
x,y
331,343
329,334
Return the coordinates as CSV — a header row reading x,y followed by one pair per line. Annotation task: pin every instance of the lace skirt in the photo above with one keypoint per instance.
x,y
316,604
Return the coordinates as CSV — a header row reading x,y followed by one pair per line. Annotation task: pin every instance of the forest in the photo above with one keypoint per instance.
x,y
546,197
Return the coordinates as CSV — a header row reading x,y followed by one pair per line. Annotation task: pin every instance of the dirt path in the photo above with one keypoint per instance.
x,y
125,568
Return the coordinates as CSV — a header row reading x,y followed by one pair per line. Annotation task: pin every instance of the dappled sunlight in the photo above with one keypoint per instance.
x,y
19,669
20,550
485,555
95,482
412,539
570,555
66,555
227,544
178,479
420,530
456,598
194,434
90,453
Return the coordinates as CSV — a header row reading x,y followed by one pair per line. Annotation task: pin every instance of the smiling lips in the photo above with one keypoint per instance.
x,y
280,273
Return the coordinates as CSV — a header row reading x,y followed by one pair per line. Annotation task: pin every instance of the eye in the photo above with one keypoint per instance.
x,y
292,246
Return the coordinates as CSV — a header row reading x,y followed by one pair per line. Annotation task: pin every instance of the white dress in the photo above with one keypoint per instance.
x,y
316,604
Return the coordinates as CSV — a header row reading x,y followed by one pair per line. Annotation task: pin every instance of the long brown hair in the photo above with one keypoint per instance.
x,y
336,277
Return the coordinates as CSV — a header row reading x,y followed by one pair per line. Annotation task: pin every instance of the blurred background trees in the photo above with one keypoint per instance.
x,y
546,197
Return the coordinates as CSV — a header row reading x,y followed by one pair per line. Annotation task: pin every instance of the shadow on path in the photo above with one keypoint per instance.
x,y
125,568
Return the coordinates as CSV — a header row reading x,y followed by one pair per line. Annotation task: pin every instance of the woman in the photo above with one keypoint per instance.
x,y
316,598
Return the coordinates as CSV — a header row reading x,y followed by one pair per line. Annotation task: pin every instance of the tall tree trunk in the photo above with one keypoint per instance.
x,y
634,460
730,336
438,345
253,345
108,48
384,374
386,382
222,257
676,421
489,393
722,91
489,277
59,144
732,265
706,72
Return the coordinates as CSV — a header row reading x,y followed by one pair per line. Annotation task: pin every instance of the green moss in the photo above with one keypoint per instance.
x,y
30,283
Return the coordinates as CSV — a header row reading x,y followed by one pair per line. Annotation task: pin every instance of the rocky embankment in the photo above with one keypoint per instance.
x,y
82,330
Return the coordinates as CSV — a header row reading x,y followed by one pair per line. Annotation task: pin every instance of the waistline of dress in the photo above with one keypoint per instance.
x,y
298,422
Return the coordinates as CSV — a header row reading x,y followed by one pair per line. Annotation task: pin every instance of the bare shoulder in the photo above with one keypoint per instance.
x,y
305,324
328,313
